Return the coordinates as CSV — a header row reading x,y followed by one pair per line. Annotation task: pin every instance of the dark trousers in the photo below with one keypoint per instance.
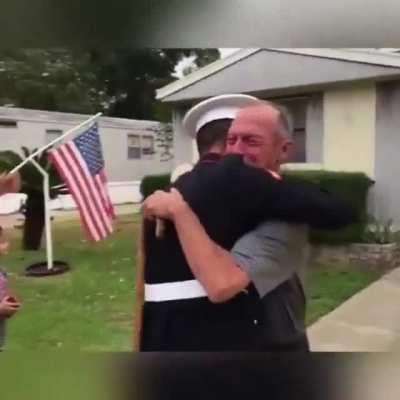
x,y
280,318
246,323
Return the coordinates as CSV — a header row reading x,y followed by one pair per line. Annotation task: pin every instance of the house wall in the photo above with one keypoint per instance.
x,y
386,199
32,134
314,130
349,128
27,133
119,167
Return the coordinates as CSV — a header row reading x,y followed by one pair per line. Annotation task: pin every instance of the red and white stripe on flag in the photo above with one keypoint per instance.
x,y
80,164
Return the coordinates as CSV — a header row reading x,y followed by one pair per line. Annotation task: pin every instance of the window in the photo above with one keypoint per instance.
x,y
140,147
52,134
147,145
8,123
134,149
299,139
297,108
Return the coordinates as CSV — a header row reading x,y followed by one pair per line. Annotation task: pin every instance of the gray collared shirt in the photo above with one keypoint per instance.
x,y
271,253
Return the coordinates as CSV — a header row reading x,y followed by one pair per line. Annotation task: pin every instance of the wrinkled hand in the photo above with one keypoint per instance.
x,y
9,306
163,204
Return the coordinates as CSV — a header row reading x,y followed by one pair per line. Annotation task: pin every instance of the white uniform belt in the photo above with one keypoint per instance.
x,y
174,291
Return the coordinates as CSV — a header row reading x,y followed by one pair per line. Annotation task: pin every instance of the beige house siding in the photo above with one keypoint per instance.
x,y
31,132
386,193
349,128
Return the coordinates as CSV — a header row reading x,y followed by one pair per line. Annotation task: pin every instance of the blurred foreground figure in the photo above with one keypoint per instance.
x,y
9,305
9,183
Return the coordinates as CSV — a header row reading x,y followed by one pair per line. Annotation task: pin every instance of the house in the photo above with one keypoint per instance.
x,y
129,146
344,103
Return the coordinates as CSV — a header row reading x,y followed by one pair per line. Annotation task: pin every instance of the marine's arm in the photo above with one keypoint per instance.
x,y
257,196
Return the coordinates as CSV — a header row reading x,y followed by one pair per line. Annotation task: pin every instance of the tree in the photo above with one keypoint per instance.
x,y
53,80
200,59
165,140
120,82
32,186
133,75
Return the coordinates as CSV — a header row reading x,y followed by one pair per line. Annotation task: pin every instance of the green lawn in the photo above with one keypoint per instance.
x,y
91,308
330,286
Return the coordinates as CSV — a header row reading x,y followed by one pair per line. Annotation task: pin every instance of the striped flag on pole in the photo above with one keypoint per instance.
x,y
80,163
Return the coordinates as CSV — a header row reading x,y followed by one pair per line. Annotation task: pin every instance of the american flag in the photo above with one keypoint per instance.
x,y
81,165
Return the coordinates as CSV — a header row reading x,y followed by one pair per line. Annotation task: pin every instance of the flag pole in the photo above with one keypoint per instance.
x,y
46,192
46,184
34,154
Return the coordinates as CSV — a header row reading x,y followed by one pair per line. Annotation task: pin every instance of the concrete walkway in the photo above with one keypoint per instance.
x,y
367,322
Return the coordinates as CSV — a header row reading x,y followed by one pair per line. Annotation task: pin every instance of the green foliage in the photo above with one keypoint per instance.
x,y
331,285
378,231
133,75
119,82
151,183
162,112
165,141
350,186
31,178
51,79
89,308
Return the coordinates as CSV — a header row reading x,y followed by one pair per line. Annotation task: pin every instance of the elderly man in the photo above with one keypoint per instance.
x,y
221,308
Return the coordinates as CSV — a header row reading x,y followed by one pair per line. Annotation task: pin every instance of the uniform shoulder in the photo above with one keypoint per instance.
x,y
233,160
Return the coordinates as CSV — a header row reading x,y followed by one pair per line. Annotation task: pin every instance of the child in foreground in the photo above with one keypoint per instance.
x,y
9,305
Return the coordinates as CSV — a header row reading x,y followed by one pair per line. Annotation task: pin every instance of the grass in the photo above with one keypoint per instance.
x,y
331,285
91,308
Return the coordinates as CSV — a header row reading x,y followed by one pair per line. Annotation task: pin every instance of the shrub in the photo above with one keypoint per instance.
x,y
151,183
352,187
380,232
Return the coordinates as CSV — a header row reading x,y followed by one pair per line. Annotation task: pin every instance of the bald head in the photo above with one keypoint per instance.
x,y
261,133
269,113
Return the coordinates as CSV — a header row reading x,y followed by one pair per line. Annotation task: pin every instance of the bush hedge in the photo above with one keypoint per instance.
x,y
350,186
151,183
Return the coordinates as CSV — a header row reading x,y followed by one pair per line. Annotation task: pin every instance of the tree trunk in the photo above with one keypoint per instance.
x,y
34,222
